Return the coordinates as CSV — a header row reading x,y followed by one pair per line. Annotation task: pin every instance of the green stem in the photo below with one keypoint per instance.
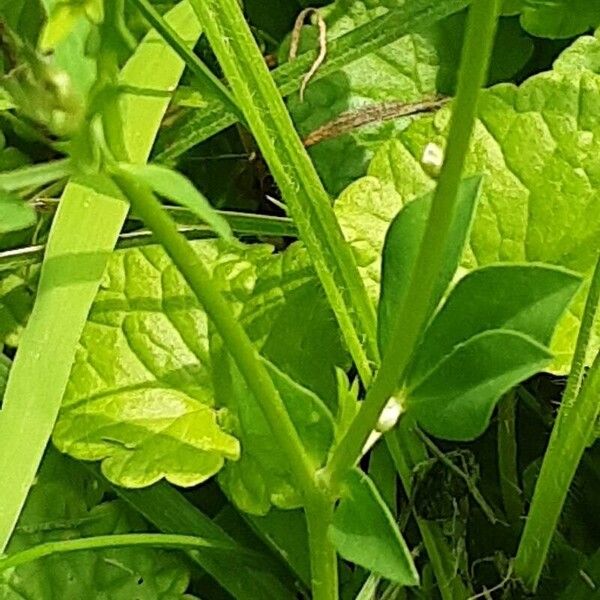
x,y
570,436
309,204
206,78
407,452
507,458
415,308
323,556
156,540
149,209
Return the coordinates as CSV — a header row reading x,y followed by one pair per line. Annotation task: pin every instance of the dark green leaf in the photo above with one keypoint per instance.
x,y
402,245
364,532
456,399
528,298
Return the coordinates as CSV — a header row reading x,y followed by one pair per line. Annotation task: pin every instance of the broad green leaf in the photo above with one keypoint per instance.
x,y
261,478
140,396
401,248
15,214
526,298
364,532
540,201
290,320
556,18
64,504
456,399
286,532
179,189
413,69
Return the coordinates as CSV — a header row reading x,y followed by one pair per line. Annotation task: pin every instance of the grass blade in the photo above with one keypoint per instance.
x,y
78,248
309,204
571,434
84,233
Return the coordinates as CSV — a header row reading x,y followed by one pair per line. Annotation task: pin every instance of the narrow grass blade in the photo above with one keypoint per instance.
x,y
570,436
84,232
35,175
309,204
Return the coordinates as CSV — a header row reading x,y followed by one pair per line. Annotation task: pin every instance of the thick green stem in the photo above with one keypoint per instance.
x,y
415,308
323,556
309,205
102,542
571,434
238,344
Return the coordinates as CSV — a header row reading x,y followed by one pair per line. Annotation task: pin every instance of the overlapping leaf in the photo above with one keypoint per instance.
x,y
262,478
64,504
537,144
555,18
140,396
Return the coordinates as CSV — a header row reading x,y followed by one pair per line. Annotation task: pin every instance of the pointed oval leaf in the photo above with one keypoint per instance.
x,y
364,532
457,398
401,249
179,189
528,298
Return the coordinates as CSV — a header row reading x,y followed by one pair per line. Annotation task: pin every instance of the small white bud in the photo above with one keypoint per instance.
x,y
432,159
390,415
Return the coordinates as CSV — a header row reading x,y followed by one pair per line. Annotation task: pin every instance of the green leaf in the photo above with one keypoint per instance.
x,y
365,532
65,504
140,396
179,189
15,214
540,201
526,298
559,18
401,248
24,16
261,478
456,399
412,69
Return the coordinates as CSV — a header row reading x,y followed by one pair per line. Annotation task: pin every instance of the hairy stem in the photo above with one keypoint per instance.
x,y
570,436
415,308
308,202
